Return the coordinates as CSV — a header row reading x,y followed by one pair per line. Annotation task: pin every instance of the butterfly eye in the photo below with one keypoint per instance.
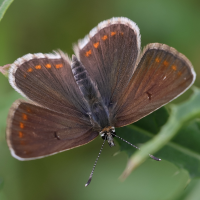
x,y
104,136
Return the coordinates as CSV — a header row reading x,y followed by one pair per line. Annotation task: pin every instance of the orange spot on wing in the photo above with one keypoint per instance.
x,y
30,70
22,142
28,110
20,134
174,67
105,37
21,125
59,65
48,66
121,33
24,75
38,67
88,53
157,60
166,63
24,116
179,73
113,33
96,44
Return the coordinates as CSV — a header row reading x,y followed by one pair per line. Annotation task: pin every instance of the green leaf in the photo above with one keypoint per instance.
x,y
183,150
192,191
141,131
154,121
4,4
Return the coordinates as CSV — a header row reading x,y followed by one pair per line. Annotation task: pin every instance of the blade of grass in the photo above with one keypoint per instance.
x,y
4,4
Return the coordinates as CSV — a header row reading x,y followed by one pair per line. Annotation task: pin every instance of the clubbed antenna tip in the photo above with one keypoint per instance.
x,y
155,158
89,180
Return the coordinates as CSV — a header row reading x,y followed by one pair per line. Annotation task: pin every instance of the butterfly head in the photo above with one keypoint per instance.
x,y
107,134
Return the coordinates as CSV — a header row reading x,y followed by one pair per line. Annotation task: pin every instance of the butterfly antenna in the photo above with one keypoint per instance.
x,y
153,157
91,174
125,141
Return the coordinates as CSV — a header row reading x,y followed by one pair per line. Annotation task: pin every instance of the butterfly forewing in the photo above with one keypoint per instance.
x,y
34,132
109,54
161,75
47,79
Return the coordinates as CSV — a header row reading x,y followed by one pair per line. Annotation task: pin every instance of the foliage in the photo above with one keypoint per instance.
x,y
4,4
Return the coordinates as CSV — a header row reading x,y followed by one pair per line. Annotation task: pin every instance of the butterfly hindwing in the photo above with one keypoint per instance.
x,y
35,132
161,75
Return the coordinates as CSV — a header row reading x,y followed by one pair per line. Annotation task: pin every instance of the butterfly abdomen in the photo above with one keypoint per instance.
x,y
83,81
96,107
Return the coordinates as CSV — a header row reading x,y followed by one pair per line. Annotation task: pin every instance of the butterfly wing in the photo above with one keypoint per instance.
x,y
35,132
109,54
161,75
48,80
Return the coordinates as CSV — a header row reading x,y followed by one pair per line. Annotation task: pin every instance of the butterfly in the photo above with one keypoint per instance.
x,y
108,83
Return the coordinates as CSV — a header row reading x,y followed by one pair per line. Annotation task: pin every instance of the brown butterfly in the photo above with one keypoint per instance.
x,y
108,84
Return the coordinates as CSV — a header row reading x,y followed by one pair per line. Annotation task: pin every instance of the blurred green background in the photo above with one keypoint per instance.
x,y
46,25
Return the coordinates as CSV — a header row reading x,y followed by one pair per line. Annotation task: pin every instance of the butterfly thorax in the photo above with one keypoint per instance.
x,y
108,133
96,108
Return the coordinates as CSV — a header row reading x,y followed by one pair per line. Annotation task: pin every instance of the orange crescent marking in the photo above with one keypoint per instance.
x,y
105,37
20,134
59,66
38,67
165,63
24,116
157,60
28,110
48,66
21,125
113,33
88,53
30,70
96,44
174,67
22,142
